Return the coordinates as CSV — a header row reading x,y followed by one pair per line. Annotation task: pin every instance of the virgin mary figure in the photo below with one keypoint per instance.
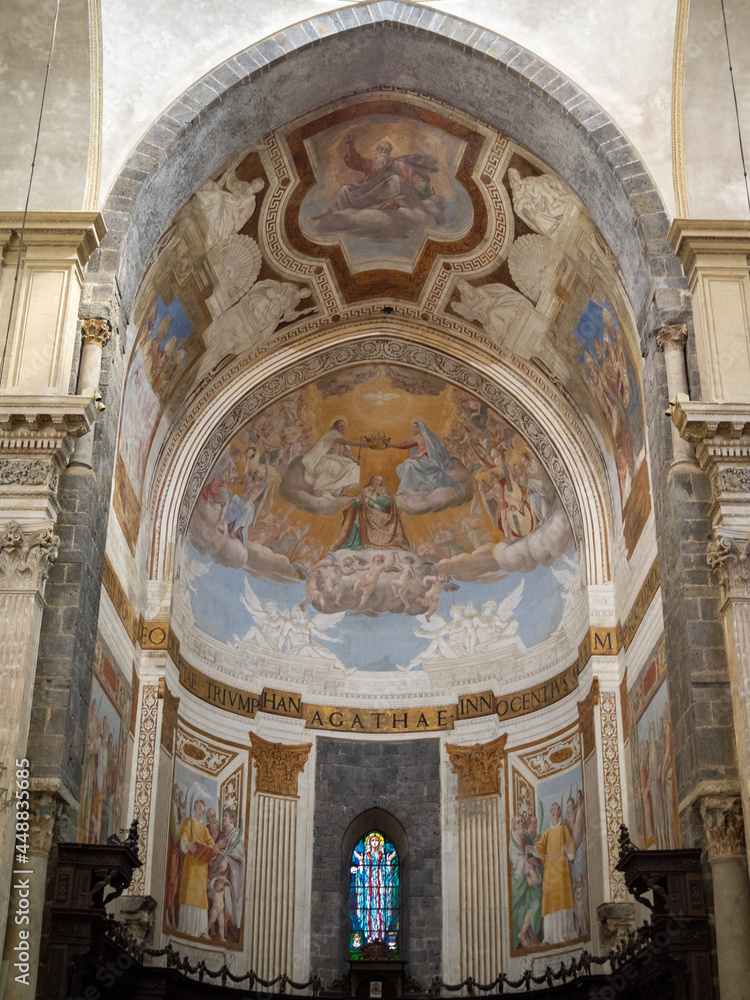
x,y
428,467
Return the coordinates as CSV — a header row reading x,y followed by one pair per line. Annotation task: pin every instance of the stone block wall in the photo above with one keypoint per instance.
x,y
404,780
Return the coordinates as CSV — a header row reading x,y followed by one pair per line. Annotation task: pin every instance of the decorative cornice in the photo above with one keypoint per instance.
x,y
724,827
37,437
278,765
478,767
729,559
695,239
720,433
25,559
96,331
80,232
672,336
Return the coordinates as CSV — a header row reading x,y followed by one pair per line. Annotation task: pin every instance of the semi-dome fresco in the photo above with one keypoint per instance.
x,y
382,518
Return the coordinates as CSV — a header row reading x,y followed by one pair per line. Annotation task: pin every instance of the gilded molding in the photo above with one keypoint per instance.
x,y
278,765
144,777
25,560
586,718
478,767
612,791
96,331
723,827
93,175
679,174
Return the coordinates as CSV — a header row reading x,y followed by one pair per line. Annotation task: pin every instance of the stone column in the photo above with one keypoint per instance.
x,y
274,877
94,335
44,810
721,435
480,874
671,339
36,441
725,843
25,559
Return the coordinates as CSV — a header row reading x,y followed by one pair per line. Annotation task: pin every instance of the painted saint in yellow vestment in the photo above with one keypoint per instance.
x,y
556,847
197,846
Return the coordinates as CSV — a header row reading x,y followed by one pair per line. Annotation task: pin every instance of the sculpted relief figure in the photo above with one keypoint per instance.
x,y
494,306
539,201
227,204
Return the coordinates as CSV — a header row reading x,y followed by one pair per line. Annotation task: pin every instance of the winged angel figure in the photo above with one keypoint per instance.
x,y
469,631
289,630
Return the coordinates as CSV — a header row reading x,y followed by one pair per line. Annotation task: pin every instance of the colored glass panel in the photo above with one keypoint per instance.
x,y
374,895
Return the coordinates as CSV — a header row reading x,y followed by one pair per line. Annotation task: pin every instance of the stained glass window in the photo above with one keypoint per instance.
x,y
374,895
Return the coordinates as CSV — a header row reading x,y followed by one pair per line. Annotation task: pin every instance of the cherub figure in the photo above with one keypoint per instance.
x,y
431,596
369,579
217,916
401,585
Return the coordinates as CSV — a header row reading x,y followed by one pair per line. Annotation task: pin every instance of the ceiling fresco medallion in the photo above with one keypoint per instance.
x,y
378,519
385,188
385,184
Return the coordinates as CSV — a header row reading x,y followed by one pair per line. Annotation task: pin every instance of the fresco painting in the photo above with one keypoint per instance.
x,y
652,755
547,864
609,372
103,779
164,348
378,491
384,183
206,861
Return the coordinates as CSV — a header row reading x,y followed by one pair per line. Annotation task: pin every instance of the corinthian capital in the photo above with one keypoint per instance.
x,y
724,827
729,559
278,765
478,767
25,559
96,331
671,336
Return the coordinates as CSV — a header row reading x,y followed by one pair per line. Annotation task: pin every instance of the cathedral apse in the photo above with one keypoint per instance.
x,y
378,520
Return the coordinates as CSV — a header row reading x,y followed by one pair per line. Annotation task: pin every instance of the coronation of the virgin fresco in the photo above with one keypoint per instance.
x,y
379,519
382,516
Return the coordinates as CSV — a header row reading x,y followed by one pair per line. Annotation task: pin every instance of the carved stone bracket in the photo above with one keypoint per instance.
x,y
96,331
729,559
37,435
278,765
478,767
44,810
25,559
724,827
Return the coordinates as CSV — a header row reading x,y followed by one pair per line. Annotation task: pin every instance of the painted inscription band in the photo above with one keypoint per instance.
x,y
333,718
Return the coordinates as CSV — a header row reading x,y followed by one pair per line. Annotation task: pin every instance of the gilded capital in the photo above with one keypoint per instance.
x,y
25,559
278,765
96,331
477,767
672,336
729,559
724,827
